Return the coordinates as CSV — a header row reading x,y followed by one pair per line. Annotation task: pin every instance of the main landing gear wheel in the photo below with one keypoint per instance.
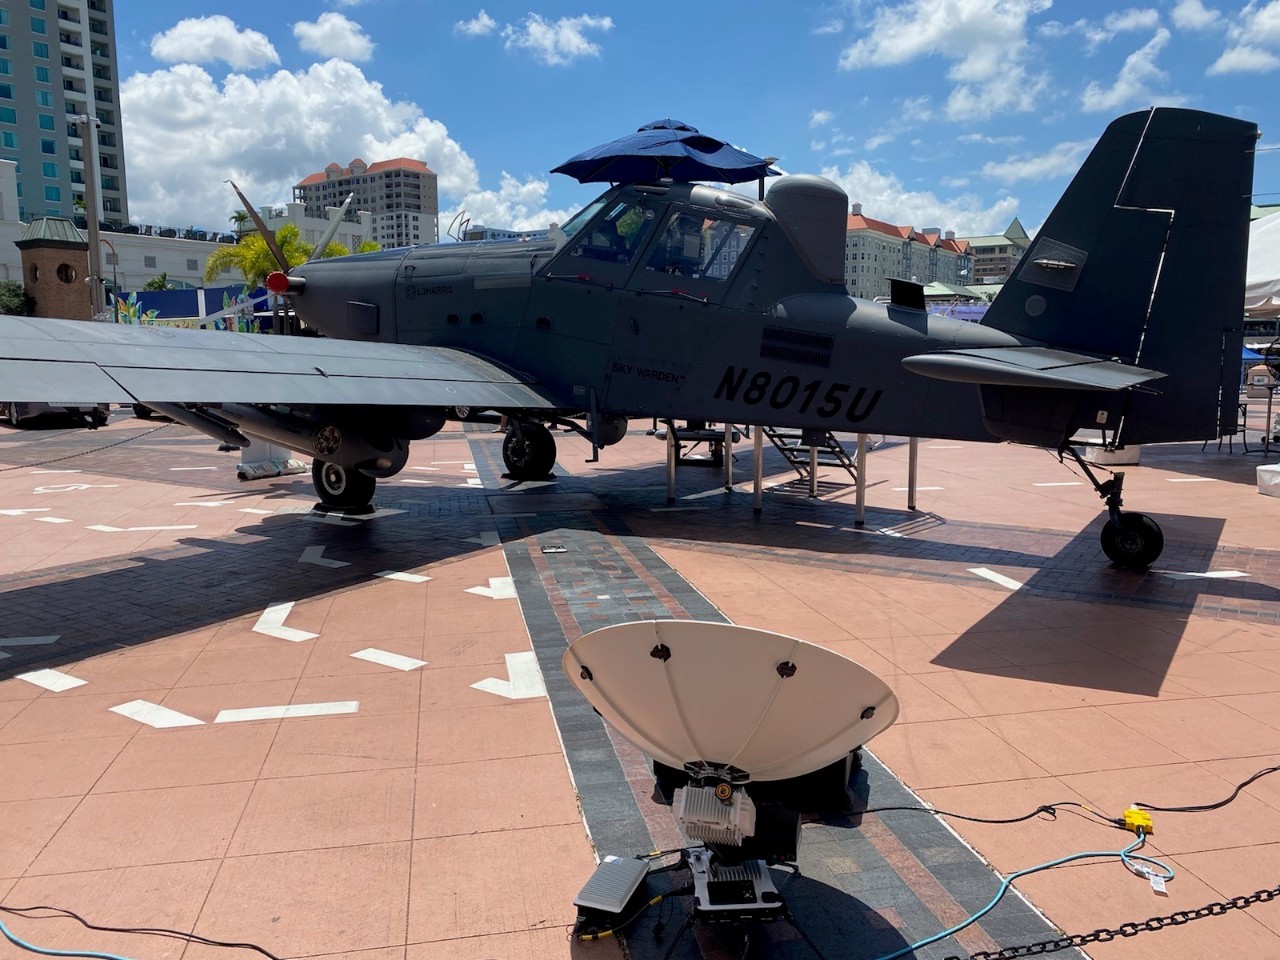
x,y
340,487
1134,543
529,452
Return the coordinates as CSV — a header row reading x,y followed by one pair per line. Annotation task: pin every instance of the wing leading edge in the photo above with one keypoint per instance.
x,y
83,362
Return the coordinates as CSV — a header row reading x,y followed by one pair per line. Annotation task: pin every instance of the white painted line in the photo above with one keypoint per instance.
x,y
472,482
272,621
1061,483
154,715
1190,479
432,469
388,659
918,489
52,680
188,469
438,462
52,520
470,467
525,682
499,588
403,577
22,511
890,532
428,483
997,578
255,510
103,528
313,555
204,503
72,487
487,538
810,523
55,471
1210,575
287,712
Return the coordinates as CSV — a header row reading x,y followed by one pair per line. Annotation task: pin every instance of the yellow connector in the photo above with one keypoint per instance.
x,y
1135,820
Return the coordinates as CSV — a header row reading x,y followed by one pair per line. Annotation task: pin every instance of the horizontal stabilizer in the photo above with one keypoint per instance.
x,y
1029,367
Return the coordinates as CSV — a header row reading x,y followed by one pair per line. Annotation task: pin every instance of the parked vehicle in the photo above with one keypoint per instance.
x,y
15,414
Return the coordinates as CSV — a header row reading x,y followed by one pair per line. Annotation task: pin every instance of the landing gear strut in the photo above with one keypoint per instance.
x,y
1130,540
341,488
528,451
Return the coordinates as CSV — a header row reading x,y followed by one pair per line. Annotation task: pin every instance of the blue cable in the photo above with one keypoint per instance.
x,y
17,941
1126,856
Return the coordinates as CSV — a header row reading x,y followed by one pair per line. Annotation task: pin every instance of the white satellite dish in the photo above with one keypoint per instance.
x,y
688,692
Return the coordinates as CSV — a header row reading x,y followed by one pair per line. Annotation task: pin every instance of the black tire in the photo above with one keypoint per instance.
x,y
340,487
142,411
11,413
1135,543
100,417
530,453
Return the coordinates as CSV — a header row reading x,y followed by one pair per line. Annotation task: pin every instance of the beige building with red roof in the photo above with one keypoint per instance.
x,y
399,194
877,251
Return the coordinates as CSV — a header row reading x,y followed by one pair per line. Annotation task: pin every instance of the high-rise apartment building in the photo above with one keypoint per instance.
x,y
57,62
400,194
877,251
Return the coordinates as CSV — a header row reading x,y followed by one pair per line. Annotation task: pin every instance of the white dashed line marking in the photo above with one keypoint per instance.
x,y
154,715
287,712
387,659
997,578
53,680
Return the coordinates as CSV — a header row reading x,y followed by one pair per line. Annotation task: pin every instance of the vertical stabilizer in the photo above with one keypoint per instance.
x,y
1143,260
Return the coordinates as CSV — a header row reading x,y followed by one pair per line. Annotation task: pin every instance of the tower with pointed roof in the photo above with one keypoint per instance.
x,y
55,265
994,257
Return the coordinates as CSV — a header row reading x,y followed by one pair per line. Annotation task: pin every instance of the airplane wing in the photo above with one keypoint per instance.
x,y
85,362
1029,367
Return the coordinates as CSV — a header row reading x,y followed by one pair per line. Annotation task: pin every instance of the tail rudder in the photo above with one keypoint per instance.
x,y
1143,260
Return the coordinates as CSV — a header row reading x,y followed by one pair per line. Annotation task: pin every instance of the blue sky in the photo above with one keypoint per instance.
x,y
955,114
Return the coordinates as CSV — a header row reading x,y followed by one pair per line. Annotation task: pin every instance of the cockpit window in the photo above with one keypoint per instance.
x,y
699,247
618,236
582,216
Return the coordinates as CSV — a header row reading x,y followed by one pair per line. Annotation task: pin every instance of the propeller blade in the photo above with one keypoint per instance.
x,y
267,235
234,308
332,229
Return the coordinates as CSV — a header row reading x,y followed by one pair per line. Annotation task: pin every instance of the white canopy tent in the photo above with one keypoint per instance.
x,y
1262,277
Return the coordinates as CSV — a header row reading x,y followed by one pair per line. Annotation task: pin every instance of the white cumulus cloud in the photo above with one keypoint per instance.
x,y
1194,15
992,60
481,25
559,43
1135,82
333,35
831,26
210,39
515,205
1062,160
1244,59
885,197
819,118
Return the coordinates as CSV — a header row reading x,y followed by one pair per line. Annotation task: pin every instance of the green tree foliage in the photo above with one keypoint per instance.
x,y
158,283
252,257
14,299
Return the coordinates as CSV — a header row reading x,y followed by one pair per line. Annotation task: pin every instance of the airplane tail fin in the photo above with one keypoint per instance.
x,y
1141,262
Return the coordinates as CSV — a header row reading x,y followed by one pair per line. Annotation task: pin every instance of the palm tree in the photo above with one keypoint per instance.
x,y
239,219
252,257
158,283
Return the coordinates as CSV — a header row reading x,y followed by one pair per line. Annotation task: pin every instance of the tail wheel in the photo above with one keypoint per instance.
x,y
11,414
341,487
1135,543
529,453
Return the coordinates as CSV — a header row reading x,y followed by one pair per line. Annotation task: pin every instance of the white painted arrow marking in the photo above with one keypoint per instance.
x,y
998,578
388,659
272,624
52,520
204,503
25,642
1191,479
154,715
53,680
23,511
55,471
499,588
403,577
186,469
313,553
285,712
1061,483
103,528
72,487
1210,575
255,510
525,682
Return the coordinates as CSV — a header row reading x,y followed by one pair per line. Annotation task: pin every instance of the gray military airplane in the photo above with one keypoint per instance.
x,y
1121,325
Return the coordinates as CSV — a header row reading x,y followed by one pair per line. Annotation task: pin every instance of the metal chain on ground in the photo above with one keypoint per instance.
x,y
83,453
1105,935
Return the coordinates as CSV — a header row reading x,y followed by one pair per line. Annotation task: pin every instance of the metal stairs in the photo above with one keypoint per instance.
x,y
795,445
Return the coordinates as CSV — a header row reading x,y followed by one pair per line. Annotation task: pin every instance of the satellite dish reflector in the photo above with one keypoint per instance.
x,y
687,692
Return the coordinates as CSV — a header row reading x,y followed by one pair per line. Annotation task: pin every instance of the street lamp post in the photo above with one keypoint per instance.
x,y
87,125
115,286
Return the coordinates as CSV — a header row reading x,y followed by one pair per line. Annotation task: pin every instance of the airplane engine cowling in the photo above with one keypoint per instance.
x,y
378,455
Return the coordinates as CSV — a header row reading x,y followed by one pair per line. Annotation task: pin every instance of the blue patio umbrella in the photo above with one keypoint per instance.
x,y
1247,354
666,150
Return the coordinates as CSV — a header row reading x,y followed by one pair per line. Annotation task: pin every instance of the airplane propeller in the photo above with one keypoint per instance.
x,y
267,235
